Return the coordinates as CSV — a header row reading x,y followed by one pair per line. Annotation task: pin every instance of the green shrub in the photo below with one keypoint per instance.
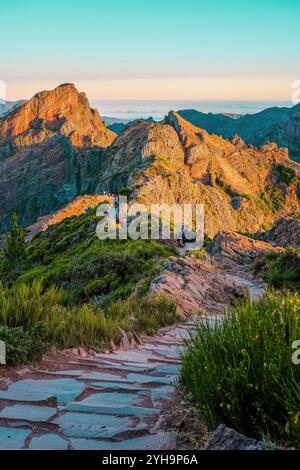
x,y
286,174
23,346
84,326
25,305
240,372
271,199
280,270
32,318
146,314
71,256
125,191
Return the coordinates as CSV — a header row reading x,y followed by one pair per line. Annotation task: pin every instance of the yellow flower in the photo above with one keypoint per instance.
x,y
221,404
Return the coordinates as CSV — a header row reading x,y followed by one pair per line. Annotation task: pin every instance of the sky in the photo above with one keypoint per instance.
x,y
154,49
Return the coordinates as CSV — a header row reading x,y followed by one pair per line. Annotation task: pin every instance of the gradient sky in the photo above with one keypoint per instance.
x,y
156,49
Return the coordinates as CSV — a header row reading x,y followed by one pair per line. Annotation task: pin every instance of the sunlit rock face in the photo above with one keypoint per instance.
x,y
176,162
54,148
45,153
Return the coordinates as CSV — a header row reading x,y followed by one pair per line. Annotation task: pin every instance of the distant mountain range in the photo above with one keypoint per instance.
x,y
6,106
54,147
118,125
279,125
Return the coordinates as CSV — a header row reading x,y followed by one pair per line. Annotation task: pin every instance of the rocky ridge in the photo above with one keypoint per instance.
x,y
276,124
197,286
286,232
176,162
55,147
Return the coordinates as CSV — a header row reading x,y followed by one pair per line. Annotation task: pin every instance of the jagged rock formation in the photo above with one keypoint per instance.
x,y
286,232
197,286
50,150
176,162
232,250
279,125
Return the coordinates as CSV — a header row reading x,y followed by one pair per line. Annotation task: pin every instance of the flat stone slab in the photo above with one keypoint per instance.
x,y
105,376
118,386
131,378
48,442
128,368
114,404
132,356
139,378
28,412
95,426
161,393
167,369
70,372
11,439
163,349
161,441
65,390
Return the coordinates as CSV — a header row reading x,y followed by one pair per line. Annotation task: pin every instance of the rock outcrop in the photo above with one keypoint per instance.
x,y
197,286
50,150
232,250
225,438
286,232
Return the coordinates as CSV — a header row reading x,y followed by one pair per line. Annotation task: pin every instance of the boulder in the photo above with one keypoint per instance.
x,y
225,438
197,286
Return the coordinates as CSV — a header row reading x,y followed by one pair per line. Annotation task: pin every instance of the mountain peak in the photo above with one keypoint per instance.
x,y
191,135
62,111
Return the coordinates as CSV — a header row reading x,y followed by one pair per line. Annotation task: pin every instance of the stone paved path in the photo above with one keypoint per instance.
x,y
106,402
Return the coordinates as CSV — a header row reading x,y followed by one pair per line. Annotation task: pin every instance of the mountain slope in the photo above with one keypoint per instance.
x,y
48,147
279,125
243,188
55,147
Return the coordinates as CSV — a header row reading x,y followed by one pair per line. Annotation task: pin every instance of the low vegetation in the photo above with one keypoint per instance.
x,y
271,199
33,318
286,174
280,270
77,290
241,372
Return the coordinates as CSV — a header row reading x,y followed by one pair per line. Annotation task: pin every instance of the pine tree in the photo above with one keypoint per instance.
x,y
15,253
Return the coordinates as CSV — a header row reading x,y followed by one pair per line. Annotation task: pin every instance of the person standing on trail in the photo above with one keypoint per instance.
x,y
116,208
